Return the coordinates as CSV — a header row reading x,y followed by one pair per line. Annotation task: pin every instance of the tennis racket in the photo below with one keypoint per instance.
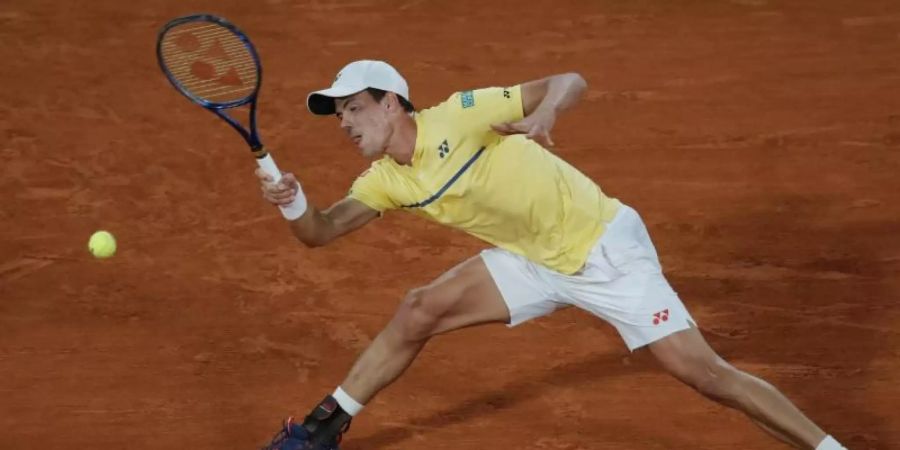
x,y
214,64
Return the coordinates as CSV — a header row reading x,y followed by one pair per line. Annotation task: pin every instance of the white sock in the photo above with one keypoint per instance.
x,y
829,443
346,401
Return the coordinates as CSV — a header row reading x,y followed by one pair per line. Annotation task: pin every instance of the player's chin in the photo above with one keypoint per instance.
x,y
369,153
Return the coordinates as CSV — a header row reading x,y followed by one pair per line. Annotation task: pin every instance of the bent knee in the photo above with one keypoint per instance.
x,y
718,380
419,315
712,377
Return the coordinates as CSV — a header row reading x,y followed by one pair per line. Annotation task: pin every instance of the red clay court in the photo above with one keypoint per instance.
x,y
759,139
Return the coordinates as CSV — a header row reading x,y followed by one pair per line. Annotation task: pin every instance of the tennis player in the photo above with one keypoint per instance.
x,y
479,162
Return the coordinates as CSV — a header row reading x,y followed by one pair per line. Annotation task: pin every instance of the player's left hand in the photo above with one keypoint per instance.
x,y
536,127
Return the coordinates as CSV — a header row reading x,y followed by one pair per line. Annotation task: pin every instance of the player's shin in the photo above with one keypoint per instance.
x,y
380,365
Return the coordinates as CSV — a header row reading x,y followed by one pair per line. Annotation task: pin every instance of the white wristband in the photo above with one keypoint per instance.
x,y
296,208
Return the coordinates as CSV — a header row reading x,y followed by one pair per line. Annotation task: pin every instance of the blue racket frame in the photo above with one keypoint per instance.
x,y
251,135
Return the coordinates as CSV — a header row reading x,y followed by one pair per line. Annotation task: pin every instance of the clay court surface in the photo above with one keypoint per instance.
x,y
759,139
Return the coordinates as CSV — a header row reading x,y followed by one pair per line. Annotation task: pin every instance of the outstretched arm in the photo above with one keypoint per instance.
x,y
316,228
542,100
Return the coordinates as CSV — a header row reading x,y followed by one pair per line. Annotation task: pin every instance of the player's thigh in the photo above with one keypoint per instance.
x,y
463,296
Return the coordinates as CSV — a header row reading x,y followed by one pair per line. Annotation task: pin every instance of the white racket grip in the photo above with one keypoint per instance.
x,y
268,166
295,209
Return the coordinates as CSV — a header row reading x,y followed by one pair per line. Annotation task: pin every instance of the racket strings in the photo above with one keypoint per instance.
x,y
210,62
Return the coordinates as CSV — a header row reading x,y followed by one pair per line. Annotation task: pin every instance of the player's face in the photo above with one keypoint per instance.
x,y
366,123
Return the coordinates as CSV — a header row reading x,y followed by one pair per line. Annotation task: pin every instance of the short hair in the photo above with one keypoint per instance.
x,y
379,94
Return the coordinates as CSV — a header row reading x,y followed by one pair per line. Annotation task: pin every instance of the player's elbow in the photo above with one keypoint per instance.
x,y
312,231
314,241
579,84
312,238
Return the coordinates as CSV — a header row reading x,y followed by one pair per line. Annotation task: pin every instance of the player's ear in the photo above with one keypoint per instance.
x,y
391,102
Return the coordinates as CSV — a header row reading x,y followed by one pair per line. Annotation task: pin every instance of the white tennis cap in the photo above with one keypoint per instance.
x,y
356,77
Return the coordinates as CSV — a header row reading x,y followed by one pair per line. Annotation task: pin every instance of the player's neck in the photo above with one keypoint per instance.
x,y
402,145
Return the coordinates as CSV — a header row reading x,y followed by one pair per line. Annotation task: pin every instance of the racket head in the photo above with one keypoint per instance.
x,y
209,60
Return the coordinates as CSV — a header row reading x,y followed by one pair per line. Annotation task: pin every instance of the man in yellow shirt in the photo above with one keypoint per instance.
x,y
478,162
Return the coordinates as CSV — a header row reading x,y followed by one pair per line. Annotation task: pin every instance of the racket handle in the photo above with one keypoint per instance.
x,y
294,210
268,166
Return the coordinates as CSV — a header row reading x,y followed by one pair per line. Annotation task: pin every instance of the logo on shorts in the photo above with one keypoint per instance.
x,y
661,316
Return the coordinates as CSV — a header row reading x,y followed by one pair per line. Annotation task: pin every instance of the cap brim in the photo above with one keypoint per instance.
x,y
322,102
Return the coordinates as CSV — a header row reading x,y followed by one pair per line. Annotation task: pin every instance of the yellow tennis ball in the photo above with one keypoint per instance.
x,y
102,244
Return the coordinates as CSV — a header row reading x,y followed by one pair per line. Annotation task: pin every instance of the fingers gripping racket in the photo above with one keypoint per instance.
x,y
215,65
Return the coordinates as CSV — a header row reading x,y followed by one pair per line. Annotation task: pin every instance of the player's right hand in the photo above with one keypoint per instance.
x,y
281,193
536,127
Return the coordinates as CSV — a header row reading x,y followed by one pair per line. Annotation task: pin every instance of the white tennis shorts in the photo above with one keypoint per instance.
x,y
621,282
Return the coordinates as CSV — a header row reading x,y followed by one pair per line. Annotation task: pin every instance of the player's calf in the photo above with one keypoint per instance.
x,y
688,357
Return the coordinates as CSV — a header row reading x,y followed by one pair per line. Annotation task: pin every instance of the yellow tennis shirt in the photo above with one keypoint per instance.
x,y
508,191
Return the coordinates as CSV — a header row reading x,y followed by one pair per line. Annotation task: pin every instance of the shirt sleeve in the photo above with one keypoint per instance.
x,y
370,188
477,110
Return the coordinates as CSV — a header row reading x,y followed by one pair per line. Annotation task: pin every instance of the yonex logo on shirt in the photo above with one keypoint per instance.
x,y
444,148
